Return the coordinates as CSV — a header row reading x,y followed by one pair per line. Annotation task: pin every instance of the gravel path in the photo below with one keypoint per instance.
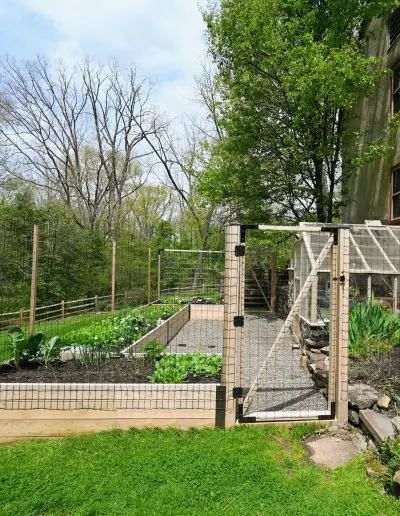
x,y
283,386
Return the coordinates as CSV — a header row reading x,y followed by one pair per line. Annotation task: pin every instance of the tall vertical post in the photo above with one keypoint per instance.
x,y
113,274
159,276
232,306
274,280
35,257
333,323
343,280
149,276
63,309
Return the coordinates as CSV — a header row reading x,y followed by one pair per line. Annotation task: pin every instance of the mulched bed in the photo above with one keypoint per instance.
x,y
118,370
380,371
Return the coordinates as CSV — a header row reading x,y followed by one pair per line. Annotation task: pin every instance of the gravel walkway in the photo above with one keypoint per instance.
x,y
283,386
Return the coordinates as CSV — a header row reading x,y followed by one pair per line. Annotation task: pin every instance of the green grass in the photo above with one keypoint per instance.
x,y
243,471
183,298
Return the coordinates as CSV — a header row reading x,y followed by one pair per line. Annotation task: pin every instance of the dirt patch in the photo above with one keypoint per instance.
x,y
380,371
118,370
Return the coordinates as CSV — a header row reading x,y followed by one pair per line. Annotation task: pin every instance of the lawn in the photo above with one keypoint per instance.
x,y
258,470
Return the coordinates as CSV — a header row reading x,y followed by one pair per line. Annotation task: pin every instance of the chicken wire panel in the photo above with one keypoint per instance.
x,y
189,274
281,374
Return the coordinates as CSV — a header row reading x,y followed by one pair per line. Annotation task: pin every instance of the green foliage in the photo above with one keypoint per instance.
x,y
94,343
390,456
153,350
373,329
35,347
50,350
176,368
289,74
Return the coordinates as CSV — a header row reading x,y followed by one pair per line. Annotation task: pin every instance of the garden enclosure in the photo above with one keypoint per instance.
x,y
161,364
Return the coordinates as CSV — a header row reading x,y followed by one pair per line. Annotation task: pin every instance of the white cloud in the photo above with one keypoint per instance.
x,y
162,37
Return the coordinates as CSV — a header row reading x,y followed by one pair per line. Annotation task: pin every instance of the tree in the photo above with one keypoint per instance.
x,y
289,73
78,133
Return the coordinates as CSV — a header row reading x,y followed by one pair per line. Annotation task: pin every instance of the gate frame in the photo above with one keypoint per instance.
x,y
232,369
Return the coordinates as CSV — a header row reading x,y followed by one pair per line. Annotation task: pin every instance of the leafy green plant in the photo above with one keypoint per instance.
x,y
373,329
390,456
33,348
153,350
176,368
50,350
18,344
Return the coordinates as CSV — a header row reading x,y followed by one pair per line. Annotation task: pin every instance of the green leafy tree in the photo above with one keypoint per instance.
x,y
289,72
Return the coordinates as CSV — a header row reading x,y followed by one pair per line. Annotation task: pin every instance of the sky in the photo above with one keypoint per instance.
x,y
163,38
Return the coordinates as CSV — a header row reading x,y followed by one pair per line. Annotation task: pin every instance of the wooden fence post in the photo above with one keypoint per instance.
x,y
274,280
230,377
21,316
113,274
35,257
159,276
342,326
63,309
96,303
149,276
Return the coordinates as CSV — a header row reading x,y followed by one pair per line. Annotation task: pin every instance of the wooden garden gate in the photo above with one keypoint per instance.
x,y
291,367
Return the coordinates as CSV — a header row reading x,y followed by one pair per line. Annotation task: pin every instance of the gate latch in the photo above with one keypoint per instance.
x,y
238,321
240,250
342,278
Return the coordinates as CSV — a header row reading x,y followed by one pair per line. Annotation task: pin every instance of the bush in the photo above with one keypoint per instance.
x,y
373,329
390,456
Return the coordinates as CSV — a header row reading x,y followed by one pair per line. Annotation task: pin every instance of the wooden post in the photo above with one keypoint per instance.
x,y
274,280
333,324
35,257
232,305
63,309
21,316
96,303
149,276
395,288
159,276
113,275
342,326
369,287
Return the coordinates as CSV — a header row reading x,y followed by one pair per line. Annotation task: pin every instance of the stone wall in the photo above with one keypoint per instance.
x,y
314,344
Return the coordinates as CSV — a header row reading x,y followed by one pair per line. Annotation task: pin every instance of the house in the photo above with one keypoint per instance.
x,y
375,189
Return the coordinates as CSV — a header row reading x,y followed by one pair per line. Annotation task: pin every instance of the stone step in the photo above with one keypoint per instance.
x,y
378,425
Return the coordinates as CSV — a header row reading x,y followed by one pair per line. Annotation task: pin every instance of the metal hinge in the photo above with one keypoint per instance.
x,y
240,250
238,321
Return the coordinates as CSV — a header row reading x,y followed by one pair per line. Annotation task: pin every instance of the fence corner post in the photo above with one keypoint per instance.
x,y
230,376
342,326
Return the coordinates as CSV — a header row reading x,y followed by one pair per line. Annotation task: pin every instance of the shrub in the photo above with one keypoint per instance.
x,y
373,329
390,456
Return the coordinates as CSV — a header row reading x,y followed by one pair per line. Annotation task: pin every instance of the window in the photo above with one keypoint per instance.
x,y
396,91
394,26
395,194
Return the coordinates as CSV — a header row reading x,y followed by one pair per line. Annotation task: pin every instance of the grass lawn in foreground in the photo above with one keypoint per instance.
x,y
246,471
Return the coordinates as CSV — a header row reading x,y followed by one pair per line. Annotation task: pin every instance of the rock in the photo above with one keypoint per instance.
x,y
354,418
372,446
321,378
378,471
295,345
312,343
325,350
362,396
378,425
396,424
331,451
383,402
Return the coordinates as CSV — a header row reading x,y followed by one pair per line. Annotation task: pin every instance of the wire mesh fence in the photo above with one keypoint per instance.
x,y
83,316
